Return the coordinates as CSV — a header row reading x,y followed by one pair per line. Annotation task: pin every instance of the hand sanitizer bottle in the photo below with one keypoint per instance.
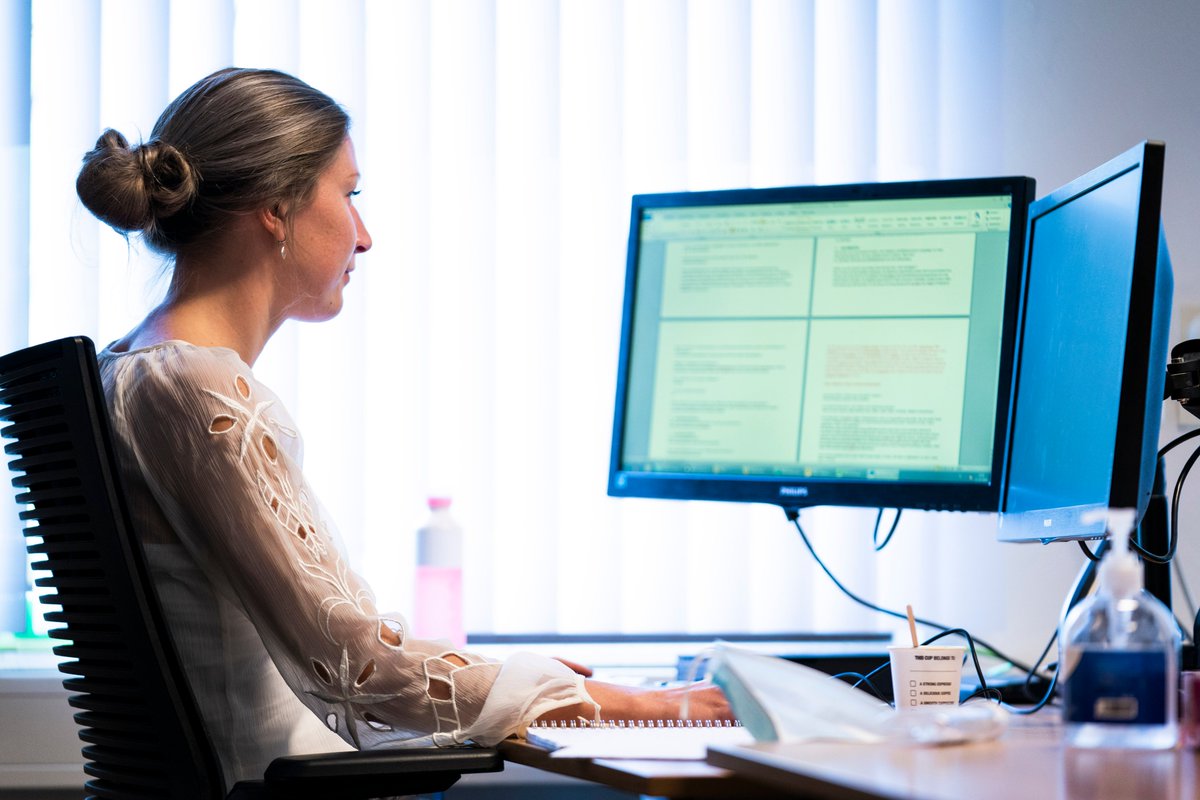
x,y
1119,657
438,606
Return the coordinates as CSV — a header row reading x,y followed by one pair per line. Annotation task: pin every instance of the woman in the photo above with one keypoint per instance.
x,y
246,184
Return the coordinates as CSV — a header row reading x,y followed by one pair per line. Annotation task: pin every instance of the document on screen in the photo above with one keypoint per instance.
x,y
814,350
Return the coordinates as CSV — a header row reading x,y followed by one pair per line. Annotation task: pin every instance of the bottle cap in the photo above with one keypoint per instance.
x,y
1120,570
436,503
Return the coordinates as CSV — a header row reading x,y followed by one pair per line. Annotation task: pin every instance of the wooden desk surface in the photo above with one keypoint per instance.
x,y
674,779
1028,761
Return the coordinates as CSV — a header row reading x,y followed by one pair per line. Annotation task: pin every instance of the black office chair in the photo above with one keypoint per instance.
x,y
142,732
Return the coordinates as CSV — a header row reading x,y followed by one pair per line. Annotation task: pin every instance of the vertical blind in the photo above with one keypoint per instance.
x,y
476,357
14,269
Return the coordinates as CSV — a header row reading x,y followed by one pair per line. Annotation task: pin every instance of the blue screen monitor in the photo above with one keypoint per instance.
x,y
1092,357
825,345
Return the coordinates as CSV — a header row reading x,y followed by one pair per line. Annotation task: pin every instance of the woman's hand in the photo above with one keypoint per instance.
x,y
704,702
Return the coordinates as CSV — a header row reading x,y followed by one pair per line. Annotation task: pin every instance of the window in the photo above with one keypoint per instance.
x,y
476,356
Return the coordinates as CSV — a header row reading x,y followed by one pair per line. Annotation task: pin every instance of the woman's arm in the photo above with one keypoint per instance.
x,y
221,457
615,702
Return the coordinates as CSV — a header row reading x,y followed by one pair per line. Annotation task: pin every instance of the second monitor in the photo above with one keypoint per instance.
x,y
828,345
1092,359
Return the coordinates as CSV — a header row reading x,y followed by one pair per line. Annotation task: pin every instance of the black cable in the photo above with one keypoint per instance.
x,y
987,694
860,678
1090,555
1037,665
867,677
983,687
1176,500
1040,704
1178,440
983,691
875,534
1079,591
1173,535
1095,559
794,515
1031,674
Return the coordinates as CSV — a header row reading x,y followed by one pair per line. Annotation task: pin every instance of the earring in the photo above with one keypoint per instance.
x,y
283,249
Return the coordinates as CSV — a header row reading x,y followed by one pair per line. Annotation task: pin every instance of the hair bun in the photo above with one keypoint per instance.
x,y
132,189
234,143
170,179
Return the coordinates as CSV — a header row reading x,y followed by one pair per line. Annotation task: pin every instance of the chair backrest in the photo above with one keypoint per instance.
x,y
142,732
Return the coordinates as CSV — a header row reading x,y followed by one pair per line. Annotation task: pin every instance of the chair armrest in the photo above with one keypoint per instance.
x,y
377,773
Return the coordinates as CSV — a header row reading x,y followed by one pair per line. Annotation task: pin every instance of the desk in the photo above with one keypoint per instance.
x,y
674,779
1028,761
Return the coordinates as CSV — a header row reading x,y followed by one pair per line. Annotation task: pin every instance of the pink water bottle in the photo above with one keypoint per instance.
x,y
438,606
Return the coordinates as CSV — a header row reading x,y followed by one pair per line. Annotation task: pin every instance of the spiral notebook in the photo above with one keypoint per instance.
x,y
666,740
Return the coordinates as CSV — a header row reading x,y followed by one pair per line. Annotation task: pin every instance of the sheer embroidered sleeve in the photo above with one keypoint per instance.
x,y
222,459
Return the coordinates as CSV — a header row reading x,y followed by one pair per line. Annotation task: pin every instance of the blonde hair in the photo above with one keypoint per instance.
x,y
237,141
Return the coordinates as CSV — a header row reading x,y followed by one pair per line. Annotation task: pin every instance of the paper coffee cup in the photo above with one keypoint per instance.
x,y
926,676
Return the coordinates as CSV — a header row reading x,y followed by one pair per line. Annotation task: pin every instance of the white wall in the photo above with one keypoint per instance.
x,y
39,742
1088,80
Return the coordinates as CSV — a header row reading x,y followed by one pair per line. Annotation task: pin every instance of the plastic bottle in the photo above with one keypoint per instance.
x,y
1119,657
438,606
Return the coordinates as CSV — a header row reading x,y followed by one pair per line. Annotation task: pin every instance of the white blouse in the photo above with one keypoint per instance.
x,y
281,641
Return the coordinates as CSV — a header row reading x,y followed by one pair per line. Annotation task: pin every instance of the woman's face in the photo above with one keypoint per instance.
x,y
326,235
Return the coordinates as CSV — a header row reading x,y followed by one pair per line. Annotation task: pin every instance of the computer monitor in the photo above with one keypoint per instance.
x,y
826,345
1092,355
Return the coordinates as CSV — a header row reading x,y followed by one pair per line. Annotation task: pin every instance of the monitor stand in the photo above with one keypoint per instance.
x,y
1154,535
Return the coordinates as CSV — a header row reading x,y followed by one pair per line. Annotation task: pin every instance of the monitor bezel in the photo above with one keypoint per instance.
x,y
1143,372
792,493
